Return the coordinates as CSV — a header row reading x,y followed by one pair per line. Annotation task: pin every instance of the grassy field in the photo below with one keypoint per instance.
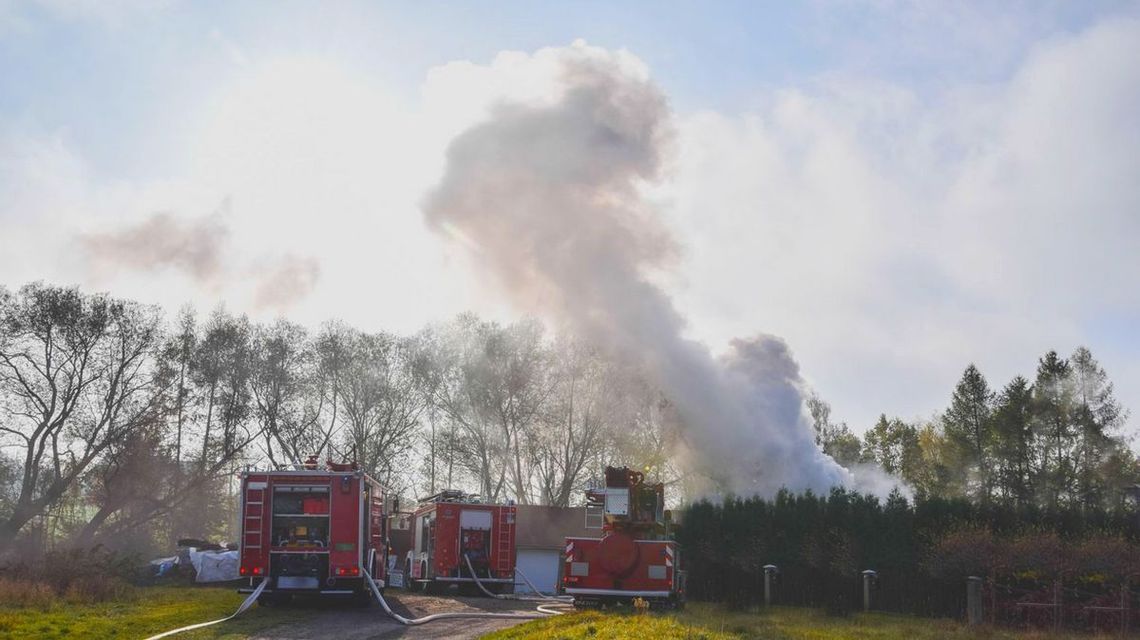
x,y
146,612
708,622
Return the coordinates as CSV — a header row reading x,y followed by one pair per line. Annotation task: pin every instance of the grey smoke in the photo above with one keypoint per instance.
x,y
285,280
161,241
549,200
197,247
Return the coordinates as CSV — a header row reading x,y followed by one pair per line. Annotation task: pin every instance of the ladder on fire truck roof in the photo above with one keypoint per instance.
x,y
506,528
254,511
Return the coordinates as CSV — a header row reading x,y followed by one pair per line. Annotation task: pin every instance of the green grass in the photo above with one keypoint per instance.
x,y
151,611
702,621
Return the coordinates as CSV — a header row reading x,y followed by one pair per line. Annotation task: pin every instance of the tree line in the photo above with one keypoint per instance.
x,y
121,426
1054,441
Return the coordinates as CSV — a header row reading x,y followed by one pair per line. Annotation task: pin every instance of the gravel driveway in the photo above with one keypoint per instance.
x,y
332,620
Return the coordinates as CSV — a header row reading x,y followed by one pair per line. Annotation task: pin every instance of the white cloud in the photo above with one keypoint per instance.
x,y
889,235
892,239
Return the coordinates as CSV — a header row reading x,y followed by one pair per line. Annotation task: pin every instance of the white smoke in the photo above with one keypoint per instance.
x,y
548,197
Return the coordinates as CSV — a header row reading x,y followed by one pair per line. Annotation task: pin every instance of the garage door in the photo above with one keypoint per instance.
x,y
541,566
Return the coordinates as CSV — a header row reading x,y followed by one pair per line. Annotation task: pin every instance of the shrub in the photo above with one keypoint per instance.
x,y
92,589
74,575
21,593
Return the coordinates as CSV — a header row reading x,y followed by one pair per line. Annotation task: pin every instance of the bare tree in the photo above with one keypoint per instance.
x,y
456,354
577,422
382,402
75,379
282,381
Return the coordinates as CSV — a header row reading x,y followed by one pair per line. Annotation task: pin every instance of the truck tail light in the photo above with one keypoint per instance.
x,y
348,571
249,571
257,571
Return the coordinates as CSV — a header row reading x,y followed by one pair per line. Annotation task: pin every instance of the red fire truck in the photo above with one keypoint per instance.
x,y
312,531
634,558
452,525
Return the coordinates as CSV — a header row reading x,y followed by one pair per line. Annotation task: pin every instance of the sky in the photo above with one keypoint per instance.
x,y
897,189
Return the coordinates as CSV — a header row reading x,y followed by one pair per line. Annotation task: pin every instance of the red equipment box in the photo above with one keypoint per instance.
x,y
315,505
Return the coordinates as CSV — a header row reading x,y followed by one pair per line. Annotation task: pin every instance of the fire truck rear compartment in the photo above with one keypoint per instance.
x,y
475,541
300,559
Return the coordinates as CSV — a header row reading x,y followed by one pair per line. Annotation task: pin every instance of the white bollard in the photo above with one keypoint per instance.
x,y
870,577
974,600
770,571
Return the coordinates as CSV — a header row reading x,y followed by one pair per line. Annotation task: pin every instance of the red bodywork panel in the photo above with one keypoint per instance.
x,y
442,532
334,521
618,566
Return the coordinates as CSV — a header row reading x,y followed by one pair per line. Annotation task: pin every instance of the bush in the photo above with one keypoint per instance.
x,y
80,576
92,589
21,593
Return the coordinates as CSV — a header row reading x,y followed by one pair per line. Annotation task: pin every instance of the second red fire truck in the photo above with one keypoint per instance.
x,y
452,527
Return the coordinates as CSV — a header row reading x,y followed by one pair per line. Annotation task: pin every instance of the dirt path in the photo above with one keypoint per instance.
x,y
348,623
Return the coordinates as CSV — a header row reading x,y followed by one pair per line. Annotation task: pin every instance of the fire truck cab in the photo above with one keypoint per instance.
x,y
635,557
452,527
312,531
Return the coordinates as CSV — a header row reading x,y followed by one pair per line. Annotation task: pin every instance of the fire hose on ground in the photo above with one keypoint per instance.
x,y
401,620
244,605
542,611
552,600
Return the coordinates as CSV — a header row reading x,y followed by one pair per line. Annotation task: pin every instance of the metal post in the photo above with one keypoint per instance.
x,y
869,578
769,572
1124,608
1057,605
974,611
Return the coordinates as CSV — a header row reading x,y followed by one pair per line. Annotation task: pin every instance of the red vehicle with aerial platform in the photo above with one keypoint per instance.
x,y
312,531
635,557
452,527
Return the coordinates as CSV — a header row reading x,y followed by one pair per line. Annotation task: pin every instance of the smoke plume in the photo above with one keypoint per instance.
x,y
161,241
548,197
283,281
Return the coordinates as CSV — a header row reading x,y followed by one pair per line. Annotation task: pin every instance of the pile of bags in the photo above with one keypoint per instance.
x,y
206,561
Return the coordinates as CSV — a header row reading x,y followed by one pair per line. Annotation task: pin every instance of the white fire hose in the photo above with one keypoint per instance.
x,y
244,605
538,595
542,611
440,616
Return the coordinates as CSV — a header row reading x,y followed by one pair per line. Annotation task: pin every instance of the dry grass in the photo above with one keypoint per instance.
x,y
85,590
24,594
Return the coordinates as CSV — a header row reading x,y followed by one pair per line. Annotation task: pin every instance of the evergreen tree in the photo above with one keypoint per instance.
x,y
1097,416
969,428
1053,427
1013,434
